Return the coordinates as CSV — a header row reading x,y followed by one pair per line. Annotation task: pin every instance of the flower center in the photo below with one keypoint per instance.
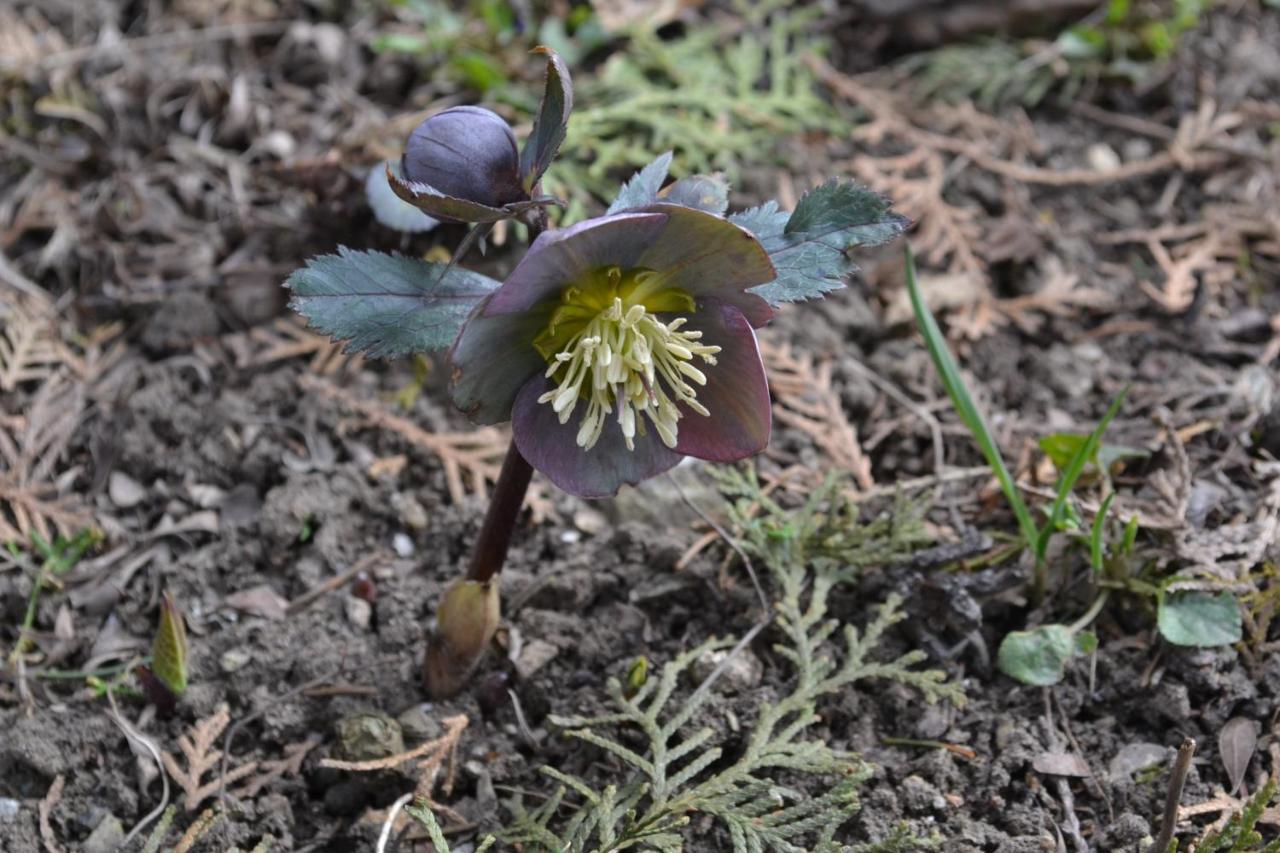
x,y
609,348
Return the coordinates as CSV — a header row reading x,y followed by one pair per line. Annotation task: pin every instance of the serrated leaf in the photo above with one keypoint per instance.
x,y
643,187
386,305
169,649
391,210
1038,656
1199,619
702,192
809,251
550,123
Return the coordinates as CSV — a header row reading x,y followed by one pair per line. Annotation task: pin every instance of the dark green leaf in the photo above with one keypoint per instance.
x,y
1199,619
704,192
550,123
1038,656
432,202
386,305
809,252
643,187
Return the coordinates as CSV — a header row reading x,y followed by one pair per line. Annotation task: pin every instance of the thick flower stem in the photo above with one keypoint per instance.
x,y
500,521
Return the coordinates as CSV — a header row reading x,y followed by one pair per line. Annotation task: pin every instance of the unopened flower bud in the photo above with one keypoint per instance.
x,y
468,153
466,620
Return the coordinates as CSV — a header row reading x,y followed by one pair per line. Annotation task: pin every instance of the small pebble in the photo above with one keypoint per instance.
x,y
1102,157
418,725
125,492
359,612
234,659
571,537
106,837
534,656
9,808
403,545
743,671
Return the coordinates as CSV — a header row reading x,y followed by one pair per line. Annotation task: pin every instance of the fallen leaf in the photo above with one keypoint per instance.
x,y
1236,743
259,600
1061,764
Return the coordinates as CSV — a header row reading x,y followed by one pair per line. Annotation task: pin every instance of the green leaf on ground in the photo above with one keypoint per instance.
x,y
1038,656
386,305
643,187
1199,618
1060,447
810,250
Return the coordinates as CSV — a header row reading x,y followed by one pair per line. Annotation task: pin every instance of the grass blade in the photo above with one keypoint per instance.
x,y
949,372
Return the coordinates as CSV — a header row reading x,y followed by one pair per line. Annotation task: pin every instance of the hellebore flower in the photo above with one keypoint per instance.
x,y
622,344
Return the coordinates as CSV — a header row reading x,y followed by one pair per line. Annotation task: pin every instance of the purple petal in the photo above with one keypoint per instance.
x,y
561,257
492,359
552,448
736,393
711,258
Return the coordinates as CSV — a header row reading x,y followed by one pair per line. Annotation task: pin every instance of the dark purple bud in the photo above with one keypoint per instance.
x,y
468,153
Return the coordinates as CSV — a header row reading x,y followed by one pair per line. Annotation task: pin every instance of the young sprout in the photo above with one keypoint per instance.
x,y
616,347
165,680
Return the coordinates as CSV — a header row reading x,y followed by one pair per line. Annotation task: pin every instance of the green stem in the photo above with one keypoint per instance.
x,y
1090,614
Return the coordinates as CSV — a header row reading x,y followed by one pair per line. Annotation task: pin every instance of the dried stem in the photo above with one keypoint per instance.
x,y
1181,766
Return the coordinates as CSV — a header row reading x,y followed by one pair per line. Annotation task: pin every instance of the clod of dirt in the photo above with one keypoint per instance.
x,y
1128,829
920,797
181,320
368,737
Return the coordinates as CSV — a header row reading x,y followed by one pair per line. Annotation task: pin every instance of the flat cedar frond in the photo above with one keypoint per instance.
x,y
826,532
30,451
30,345
271,770
806,400
285,338
1240,835
197,748
785,789
471,459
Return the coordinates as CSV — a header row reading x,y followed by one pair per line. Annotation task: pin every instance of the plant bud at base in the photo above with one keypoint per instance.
x,y
466,620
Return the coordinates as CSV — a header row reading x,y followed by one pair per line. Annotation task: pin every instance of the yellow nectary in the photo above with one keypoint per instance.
x,y
609,347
